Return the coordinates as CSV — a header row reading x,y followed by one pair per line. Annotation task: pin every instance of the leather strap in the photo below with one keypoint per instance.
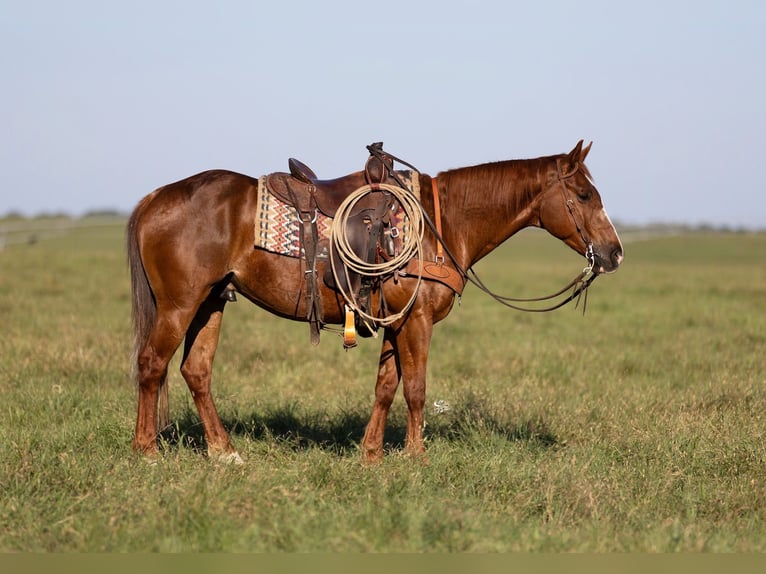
x,y
437,270
438,222
443,274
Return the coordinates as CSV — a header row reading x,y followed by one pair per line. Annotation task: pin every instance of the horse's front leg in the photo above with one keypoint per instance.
x,y
413,344
403,356
385,389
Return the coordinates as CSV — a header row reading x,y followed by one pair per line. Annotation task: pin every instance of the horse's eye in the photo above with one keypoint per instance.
x,y
585,194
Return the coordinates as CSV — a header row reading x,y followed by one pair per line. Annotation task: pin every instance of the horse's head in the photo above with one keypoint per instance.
x,y
571,210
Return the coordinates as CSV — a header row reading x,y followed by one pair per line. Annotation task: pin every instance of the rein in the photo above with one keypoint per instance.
x,y
579,284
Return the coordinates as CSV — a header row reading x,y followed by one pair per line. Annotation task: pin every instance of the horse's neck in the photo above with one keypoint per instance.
x,y
485,205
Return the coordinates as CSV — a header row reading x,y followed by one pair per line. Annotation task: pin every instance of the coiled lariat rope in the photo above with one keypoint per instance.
x,y
412,247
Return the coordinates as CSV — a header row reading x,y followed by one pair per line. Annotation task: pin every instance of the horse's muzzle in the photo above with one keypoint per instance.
x,y
610,263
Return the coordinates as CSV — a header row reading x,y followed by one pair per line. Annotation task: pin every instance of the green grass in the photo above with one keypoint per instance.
x,y
638,427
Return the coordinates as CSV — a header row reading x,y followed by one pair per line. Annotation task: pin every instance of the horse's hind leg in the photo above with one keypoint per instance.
x,y
197,368
164,339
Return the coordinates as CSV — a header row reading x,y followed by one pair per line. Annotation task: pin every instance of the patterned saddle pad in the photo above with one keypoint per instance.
x,y
277,227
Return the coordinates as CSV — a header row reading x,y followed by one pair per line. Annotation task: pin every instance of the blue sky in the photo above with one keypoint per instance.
x,y
104,101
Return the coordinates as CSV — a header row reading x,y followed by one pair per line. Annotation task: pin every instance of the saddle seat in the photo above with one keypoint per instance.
x,y
302,189
375,171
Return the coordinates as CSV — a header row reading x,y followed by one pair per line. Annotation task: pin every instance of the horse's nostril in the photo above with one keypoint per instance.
x,y
617,256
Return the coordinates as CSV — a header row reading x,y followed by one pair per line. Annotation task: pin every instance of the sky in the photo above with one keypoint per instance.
x,y
102,102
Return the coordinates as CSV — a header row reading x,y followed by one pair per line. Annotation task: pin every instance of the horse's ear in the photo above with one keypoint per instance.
x,y
574,155
584,152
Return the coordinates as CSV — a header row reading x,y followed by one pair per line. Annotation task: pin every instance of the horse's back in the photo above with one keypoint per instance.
x,y
210,198
210,187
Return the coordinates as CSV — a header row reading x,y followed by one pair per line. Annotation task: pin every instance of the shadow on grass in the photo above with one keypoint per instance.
x,y
293,427
288,425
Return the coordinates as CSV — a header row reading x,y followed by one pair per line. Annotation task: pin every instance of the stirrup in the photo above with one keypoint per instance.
x,y
349,330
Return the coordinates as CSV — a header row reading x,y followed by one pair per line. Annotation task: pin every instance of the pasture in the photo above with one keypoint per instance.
x,y
637,427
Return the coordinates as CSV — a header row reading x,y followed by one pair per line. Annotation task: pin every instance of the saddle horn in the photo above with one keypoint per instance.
x,y
379,165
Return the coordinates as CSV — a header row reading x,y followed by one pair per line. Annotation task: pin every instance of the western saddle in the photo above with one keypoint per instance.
x,y
367,231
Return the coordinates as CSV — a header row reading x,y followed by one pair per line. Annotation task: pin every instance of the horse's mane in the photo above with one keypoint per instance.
x,y
512,184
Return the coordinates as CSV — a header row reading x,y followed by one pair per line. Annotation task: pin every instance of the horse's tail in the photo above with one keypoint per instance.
x,y
143,306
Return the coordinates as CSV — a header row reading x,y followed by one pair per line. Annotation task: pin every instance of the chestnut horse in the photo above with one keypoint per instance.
x,y
190,240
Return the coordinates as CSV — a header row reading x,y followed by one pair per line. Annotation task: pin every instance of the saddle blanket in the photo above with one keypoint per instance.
x,y
277,227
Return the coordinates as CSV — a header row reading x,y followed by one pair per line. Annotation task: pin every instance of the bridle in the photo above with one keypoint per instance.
x,y
579,285
562,177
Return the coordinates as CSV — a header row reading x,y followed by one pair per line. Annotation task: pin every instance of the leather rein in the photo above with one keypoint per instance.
x,y
579,285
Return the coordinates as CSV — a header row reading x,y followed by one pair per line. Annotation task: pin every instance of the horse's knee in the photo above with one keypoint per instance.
x,y
151,371
384,397
385,389
415,397
197,377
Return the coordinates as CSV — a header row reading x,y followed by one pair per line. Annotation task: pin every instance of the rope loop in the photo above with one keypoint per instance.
x,y
412,247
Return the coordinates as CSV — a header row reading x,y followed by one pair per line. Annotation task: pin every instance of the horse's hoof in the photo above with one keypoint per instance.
x,y
231,458
150,454
371,458
149,458
421,458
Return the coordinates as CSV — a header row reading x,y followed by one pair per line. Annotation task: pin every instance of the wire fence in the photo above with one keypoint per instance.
x,y
29,232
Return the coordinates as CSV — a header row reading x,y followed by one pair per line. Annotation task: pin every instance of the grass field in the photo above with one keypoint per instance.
x,y
638,427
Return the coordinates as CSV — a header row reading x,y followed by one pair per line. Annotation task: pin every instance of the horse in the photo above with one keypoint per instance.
x,y
190,241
